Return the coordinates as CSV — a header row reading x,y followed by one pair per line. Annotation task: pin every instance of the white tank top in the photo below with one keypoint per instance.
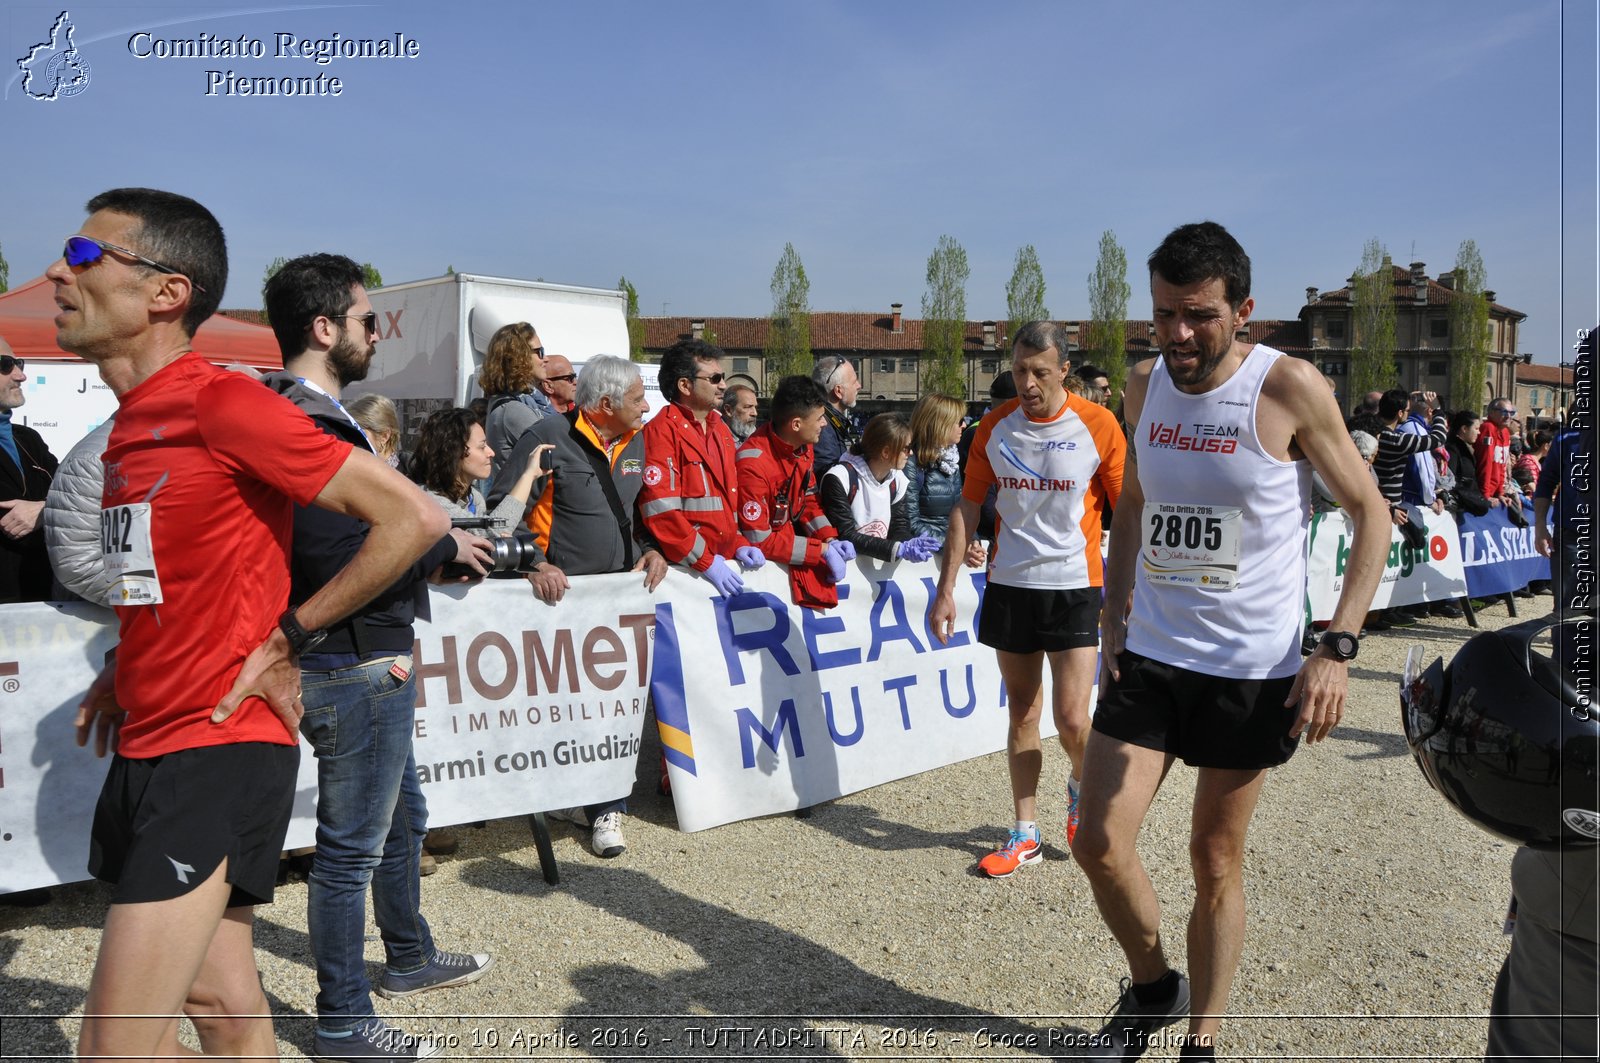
x,y
1221,577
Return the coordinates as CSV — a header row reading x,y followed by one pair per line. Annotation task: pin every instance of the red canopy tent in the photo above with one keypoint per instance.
x,y
27,322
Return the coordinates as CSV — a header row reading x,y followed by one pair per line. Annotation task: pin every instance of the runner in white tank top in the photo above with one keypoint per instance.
x,y
1207,549
1222,569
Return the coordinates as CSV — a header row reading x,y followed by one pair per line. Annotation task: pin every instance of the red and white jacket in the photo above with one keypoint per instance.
x,y
690,496
779,510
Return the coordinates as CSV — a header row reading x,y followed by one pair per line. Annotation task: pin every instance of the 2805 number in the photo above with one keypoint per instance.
x,y
1191,532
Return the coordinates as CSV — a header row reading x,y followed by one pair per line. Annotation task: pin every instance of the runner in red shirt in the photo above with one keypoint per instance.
x,y
202,472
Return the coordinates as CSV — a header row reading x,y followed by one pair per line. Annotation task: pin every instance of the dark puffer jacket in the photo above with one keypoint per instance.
x,y
934,493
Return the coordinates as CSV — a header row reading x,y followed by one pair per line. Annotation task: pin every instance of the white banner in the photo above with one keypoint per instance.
x,y
522,708
765,707
1408,577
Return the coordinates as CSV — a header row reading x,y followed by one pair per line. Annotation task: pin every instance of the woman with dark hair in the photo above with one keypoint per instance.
x,y
1525,470
1467,495
452,454
864,495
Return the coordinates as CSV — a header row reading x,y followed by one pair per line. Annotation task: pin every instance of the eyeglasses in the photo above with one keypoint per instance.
x,y
9,365
568,377
369,321
86,251
714,378
1507,410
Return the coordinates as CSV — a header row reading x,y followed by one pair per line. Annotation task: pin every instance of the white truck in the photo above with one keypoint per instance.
x,y
432,335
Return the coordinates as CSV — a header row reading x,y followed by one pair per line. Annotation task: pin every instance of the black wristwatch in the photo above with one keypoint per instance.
x,y
301,641
1342,644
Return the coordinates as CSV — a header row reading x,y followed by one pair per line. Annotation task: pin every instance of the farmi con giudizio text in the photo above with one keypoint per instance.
x,y
319,50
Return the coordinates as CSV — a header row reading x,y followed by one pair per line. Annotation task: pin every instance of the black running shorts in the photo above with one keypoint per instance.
x,y
1205,720
1031,619
163,824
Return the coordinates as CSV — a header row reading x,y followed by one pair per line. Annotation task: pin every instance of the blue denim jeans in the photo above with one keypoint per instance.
x,y
371,818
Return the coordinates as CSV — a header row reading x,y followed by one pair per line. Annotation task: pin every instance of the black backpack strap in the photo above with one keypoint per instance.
x,y
602,470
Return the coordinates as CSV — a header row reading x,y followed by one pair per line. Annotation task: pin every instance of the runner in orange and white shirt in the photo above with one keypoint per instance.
x,y
1056,461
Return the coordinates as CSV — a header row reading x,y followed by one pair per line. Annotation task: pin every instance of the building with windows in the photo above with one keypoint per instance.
x,y
1543,392
1422,337
887,348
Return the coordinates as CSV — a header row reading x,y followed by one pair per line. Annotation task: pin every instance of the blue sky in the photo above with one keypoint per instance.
x,y
682,144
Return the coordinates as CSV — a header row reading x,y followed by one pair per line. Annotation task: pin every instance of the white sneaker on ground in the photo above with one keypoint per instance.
x,y
607,840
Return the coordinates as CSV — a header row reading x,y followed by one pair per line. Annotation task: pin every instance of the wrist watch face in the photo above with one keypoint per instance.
x,y
1343,644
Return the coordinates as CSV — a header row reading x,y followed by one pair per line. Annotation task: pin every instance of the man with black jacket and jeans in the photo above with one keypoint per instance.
x,y
360,699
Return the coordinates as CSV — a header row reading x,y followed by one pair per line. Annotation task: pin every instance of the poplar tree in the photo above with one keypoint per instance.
x,y
1372,355
944,319
1469,331
1106,345
635,325
1024,292
787,351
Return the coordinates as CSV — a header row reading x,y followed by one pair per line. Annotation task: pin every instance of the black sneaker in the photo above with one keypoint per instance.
x,y
372,1040
446,969
1123,1036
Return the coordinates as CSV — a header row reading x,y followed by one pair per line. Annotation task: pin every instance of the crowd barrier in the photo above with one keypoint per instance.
x,y
762,706
525,707
1479,556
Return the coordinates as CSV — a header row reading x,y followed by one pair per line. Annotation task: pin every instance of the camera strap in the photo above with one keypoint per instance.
x,y
607,478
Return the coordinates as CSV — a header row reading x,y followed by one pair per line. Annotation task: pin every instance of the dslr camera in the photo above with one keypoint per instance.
x,y
514,551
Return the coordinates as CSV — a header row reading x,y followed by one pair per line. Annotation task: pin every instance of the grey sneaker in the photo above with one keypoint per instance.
x,y
444,970
374,1039
607,838
576,816
1123,1036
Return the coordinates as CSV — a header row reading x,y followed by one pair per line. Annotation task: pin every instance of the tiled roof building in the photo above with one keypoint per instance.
x,y
887,348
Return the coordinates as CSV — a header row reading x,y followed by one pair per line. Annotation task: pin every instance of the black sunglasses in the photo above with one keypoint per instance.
x,y
369,321
714,378
568,377
86,251
9,364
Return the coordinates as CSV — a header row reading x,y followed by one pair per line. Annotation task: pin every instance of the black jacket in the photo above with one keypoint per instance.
x,y
1467,495
24,563
325,541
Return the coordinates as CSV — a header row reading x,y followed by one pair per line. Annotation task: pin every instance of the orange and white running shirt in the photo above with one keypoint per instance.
x,y
1054,478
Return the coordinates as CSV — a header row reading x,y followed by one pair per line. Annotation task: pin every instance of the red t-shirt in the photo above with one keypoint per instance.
x,y
202,470
1492,454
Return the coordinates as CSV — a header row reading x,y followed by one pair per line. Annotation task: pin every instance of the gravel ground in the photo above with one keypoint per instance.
x,y
864,931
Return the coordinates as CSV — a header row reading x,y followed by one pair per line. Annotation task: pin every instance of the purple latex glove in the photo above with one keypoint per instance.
x,y
750,557
919,549
723,578
838,564
846,550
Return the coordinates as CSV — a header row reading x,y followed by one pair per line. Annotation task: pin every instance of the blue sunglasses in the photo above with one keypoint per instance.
x,y
86,251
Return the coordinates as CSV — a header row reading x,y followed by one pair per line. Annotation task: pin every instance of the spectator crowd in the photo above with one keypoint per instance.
x,y
559,472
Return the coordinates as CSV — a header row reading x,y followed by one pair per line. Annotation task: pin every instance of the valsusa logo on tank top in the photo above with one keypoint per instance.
x,y
1205,438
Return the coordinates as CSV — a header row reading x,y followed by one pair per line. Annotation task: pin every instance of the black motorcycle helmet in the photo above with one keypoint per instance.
x,y
1507,735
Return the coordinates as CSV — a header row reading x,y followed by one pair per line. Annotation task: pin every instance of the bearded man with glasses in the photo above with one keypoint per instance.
x,y
360,696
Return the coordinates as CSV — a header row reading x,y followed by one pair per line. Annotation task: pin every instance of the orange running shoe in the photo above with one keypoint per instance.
x,y
1072,813
1019,849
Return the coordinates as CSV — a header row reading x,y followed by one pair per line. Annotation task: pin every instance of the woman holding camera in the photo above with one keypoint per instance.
x,y
453,453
